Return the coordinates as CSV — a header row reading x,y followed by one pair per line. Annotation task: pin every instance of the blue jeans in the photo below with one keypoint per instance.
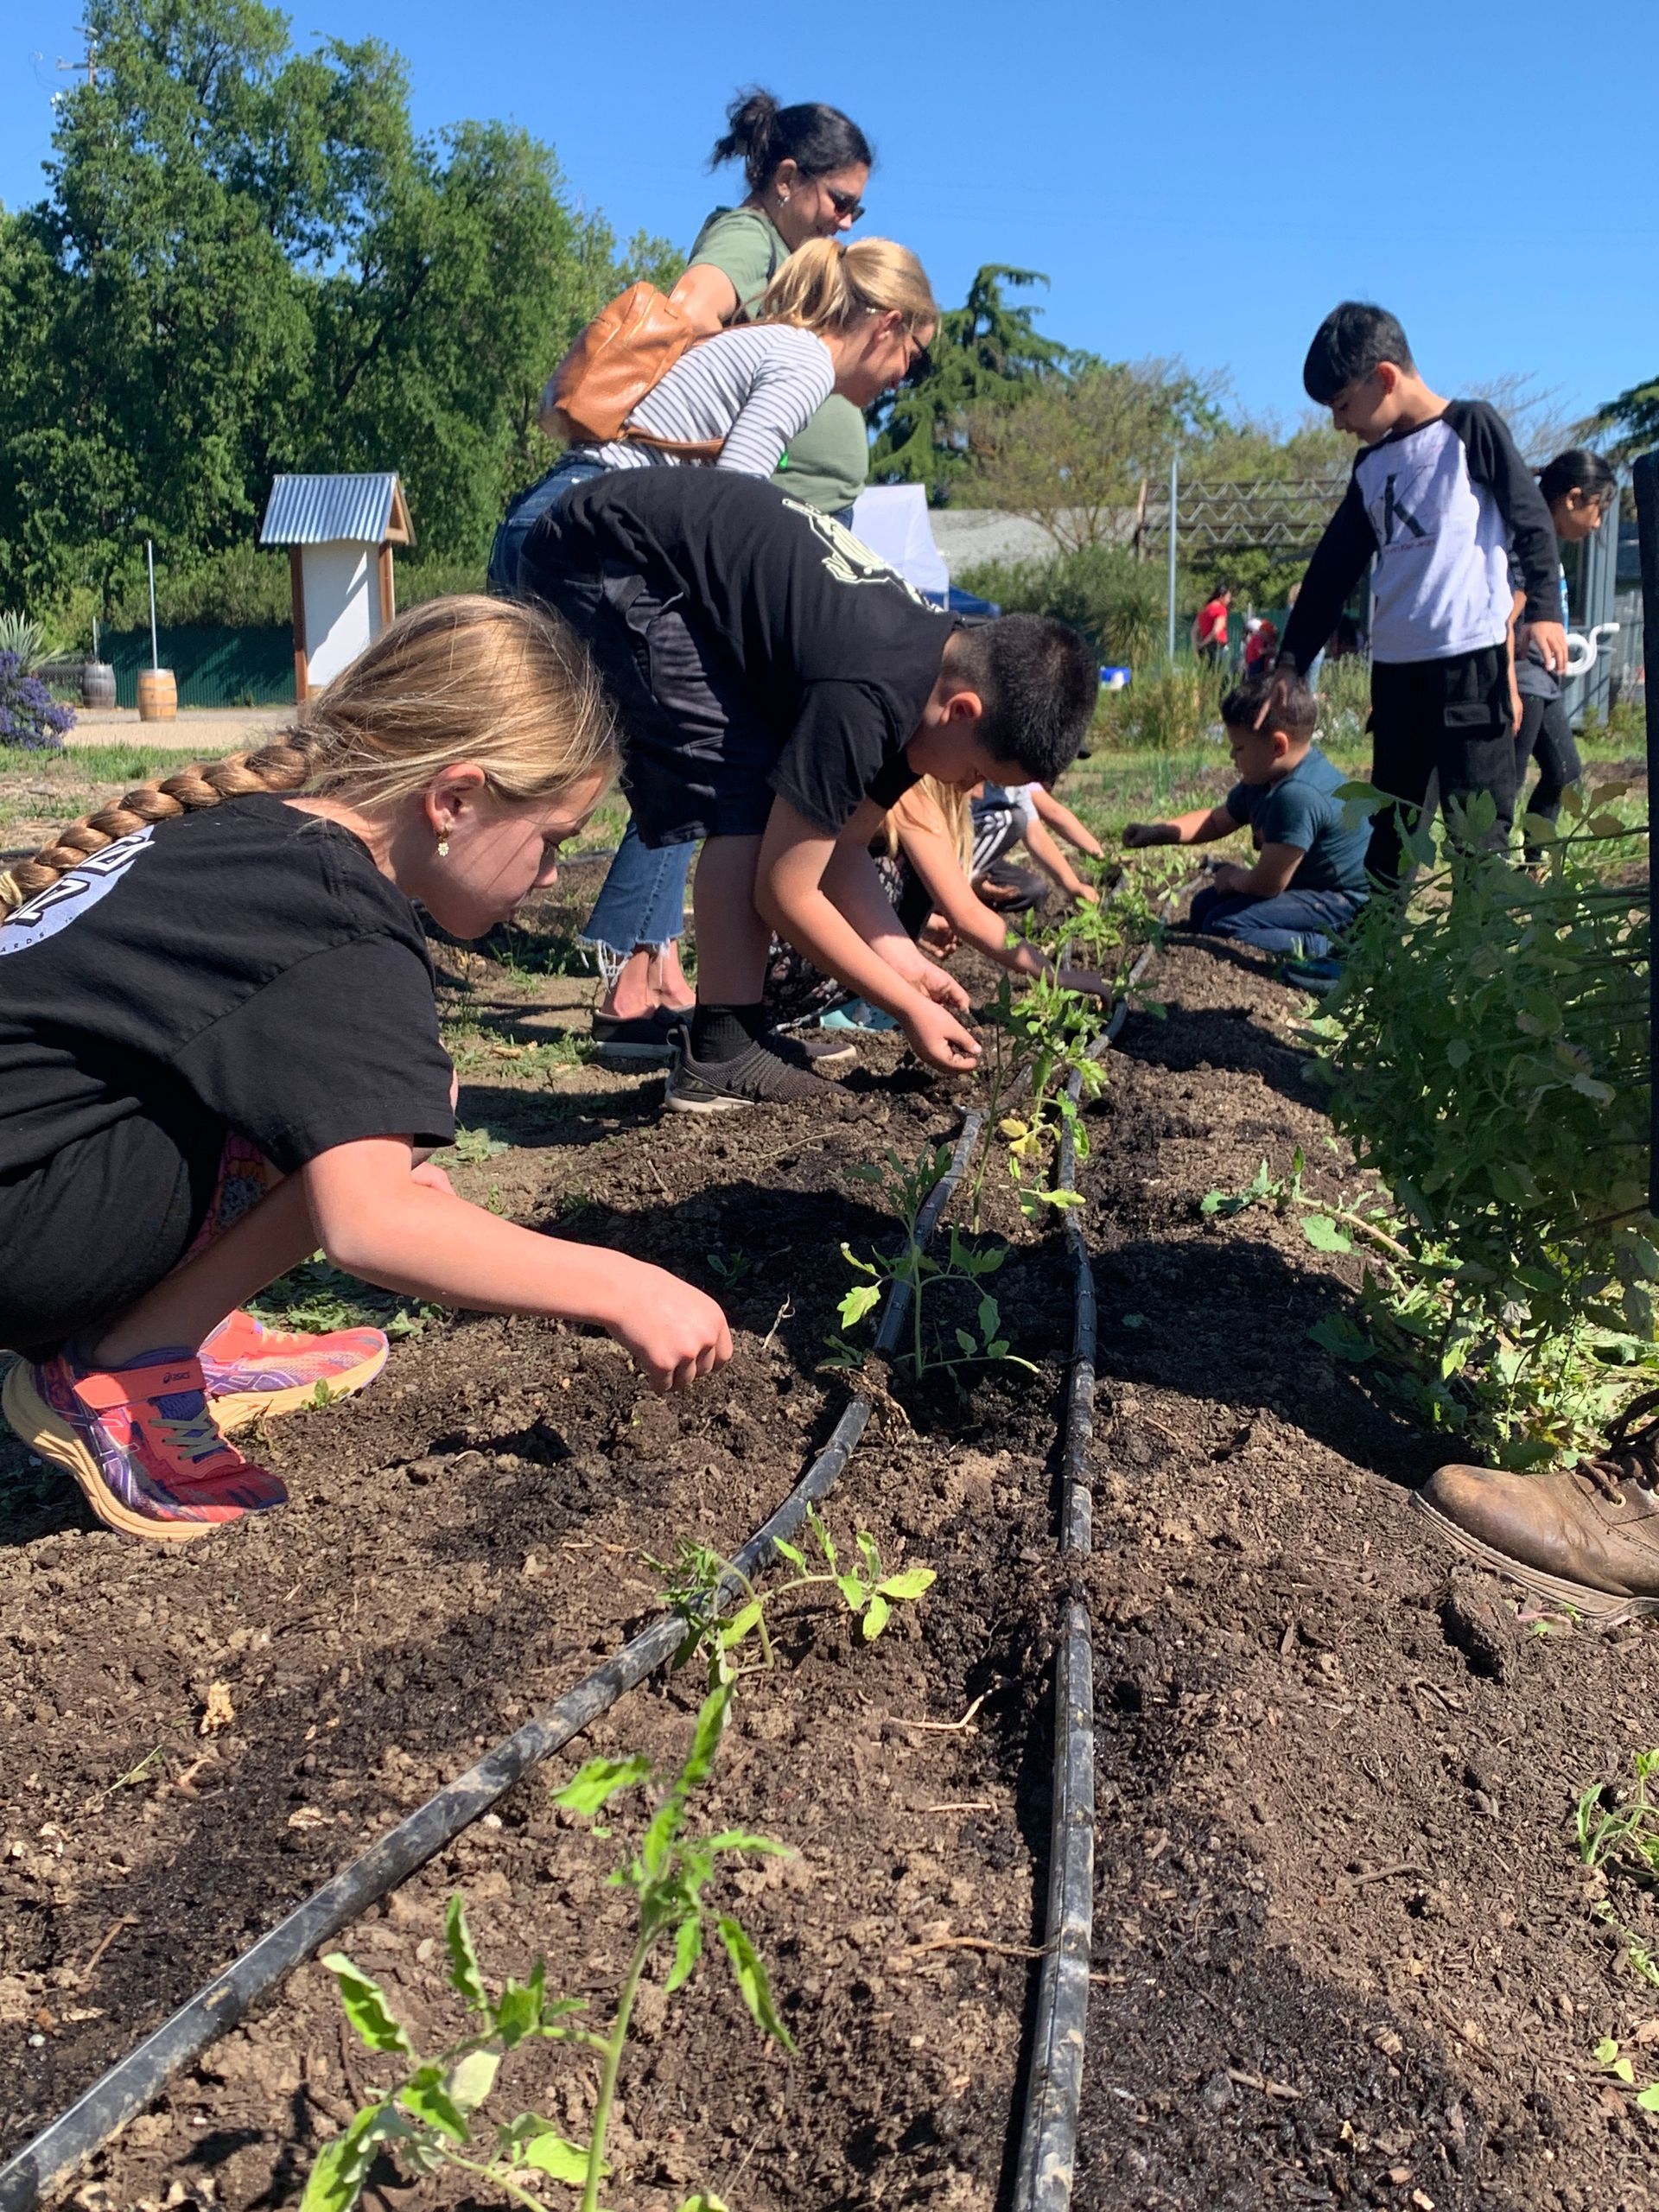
x,y
525,511
1299,922
641,902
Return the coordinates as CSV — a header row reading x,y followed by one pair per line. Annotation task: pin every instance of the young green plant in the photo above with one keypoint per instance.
x,y
430,2119
866,1587
907,1190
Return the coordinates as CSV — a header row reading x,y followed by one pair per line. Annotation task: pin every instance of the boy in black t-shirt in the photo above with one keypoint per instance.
x,y
780,687
1439,499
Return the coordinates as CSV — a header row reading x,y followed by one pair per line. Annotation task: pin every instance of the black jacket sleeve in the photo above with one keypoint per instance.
x,y
1338,563
1494,461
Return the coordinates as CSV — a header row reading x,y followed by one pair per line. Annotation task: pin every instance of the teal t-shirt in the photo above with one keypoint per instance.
x,y
827,464
1301,809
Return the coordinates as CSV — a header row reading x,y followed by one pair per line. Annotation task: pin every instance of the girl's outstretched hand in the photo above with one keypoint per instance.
x,y
672,1334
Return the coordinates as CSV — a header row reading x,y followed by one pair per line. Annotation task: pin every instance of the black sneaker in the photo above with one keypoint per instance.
x,y
642,1038
821,1052
754,1077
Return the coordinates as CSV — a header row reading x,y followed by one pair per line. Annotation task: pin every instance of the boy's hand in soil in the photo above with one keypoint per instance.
x,y
940,1039
1137,835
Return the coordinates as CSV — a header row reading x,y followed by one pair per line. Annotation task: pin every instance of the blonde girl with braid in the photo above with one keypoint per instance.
x,y
219,1049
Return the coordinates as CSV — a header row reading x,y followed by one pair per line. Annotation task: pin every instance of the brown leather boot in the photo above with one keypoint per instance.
x,y
1587,1537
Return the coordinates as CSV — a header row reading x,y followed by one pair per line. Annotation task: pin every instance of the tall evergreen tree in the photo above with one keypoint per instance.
x,y
985,352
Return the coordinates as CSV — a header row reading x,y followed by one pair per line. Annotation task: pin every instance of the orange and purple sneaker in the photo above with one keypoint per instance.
x,y
252,1370
141,1442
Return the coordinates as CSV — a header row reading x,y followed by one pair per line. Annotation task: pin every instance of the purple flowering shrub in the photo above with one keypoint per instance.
x,y
31,717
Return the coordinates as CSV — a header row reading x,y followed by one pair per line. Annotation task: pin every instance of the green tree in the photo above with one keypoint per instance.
x,y
247,261
1077,453
985,352
1636,413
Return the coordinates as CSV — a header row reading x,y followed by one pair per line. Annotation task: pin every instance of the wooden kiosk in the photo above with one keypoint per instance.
x,y
340,532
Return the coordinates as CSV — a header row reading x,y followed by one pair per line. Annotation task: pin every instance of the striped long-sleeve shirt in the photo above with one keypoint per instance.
x,y
755,386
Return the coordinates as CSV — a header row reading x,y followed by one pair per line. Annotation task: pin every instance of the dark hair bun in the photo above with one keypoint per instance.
x,y
761,135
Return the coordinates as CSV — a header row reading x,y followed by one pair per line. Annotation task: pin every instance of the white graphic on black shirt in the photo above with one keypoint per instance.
x,y
849,560
72,895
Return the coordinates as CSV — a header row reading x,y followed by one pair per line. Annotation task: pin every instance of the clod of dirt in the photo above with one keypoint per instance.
x,y
1477,1621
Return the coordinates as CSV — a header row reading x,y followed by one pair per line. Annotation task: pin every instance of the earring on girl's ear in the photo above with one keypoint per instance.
x,y
443,847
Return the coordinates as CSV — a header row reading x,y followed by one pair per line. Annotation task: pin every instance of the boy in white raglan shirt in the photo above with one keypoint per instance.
x,y
1442,501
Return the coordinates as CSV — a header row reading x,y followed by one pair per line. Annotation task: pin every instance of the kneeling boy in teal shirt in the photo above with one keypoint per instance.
x,y
1309,878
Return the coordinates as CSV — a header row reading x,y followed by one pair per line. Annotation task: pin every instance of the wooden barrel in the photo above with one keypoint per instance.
x,y
97,684
158,695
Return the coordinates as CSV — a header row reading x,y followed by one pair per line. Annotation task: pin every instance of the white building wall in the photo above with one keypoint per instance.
x,y
342,605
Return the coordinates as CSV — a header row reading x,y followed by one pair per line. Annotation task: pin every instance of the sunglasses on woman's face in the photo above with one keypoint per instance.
x,y
848,206
920,364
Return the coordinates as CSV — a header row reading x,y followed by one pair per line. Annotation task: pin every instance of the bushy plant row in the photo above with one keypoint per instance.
x,y
1488,1056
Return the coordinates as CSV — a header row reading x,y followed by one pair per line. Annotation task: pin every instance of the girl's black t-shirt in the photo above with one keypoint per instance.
x,y
245,967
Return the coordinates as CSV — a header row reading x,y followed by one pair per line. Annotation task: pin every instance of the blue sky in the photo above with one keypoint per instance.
x,y
1197,181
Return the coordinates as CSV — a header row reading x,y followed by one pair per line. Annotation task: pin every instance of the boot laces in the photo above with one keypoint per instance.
x,y
1632,1453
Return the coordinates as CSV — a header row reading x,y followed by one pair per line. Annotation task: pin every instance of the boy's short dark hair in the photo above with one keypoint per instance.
x,y
1297,715
1353,340
1038,685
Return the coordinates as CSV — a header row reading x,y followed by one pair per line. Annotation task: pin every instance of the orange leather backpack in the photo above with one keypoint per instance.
x,y
625,352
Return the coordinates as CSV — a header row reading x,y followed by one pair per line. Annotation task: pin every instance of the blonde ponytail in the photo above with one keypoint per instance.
x,y
495,681
823,286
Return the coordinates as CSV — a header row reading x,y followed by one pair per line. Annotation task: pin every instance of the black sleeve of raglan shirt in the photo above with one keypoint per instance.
x,y
842,750
1340,561
1494,460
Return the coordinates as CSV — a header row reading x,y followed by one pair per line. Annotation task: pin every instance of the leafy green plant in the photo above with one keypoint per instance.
x,y
24,641
730,1268
1488,1051
1624,1835
316,1297
907,1190
1164,711
1052,1034
1607,2056
430,2119
471,1147
869,1591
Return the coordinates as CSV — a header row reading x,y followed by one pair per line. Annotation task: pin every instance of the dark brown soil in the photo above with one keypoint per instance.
x,y
1344,1950
1336,1778
463,1543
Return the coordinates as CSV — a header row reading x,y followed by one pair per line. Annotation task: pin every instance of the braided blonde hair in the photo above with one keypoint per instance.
x,y
496,681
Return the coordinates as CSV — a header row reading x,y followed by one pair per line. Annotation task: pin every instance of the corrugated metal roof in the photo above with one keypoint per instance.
x,y
315,509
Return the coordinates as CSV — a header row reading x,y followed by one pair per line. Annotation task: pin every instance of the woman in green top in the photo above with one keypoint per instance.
x,y
806,167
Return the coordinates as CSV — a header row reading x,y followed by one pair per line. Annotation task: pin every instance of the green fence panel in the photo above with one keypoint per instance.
x,y
211,667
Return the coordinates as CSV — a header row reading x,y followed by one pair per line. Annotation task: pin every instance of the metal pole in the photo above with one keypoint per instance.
x,y
155,650
1646,474
1174,493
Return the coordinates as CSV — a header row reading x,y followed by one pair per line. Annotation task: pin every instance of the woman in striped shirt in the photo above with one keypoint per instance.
x,y
854,321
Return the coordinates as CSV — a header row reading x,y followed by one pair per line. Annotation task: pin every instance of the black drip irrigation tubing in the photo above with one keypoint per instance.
x,y
1048,2141
134,2082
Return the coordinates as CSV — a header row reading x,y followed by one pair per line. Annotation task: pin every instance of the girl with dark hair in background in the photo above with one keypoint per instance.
x,y
1578,487
806,167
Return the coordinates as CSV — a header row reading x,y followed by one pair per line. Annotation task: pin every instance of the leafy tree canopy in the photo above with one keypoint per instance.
x,y
247,261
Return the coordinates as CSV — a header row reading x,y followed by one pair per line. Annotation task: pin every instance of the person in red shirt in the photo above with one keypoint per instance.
x,y
1209,626
1261,646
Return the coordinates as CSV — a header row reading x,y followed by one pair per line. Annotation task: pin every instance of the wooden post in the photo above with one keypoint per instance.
x,y
302,657
388,595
